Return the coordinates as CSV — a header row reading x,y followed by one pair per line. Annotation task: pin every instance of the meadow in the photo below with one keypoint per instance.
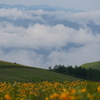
x,y
19,82
76,90
15,72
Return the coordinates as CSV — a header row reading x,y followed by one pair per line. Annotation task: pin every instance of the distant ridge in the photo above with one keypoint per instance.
x,y
93,65
37,7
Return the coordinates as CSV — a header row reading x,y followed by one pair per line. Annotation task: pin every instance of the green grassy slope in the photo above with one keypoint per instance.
x,y
94,65
16,72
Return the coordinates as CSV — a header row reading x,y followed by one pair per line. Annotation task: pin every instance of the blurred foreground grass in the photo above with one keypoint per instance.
x,y
76,90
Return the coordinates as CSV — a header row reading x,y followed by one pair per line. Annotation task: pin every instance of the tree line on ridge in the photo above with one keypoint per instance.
x,y
80,72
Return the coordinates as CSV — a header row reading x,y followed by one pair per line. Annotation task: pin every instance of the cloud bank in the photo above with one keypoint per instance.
x,y
80,17
44,45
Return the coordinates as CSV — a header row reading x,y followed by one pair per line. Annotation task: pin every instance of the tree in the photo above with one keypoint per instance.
x,y
50,69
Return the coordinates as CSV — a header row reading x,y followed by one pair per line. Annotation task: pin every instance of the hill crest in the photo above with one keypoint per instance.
x,y
93,65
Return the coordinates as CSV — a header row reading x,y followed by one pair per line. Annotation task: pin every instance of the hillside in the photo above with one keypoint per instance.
x,y
16,72
93,65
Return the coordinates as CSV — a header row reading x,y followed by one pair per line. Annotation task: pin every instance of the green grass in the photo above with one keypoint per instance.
x,y
94,65
16,72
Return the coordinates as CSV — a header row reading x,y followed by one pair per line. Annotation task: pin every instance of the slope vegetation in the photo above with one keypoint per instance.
x,y
16,72
93,65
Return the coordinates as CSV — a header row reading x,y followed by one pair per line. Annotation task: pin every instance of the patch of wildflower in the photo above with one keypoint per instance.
x,y
50,91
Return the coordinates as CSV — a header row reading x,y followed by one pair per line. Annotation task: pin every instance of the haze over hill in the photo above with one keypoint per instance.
x,y
43,36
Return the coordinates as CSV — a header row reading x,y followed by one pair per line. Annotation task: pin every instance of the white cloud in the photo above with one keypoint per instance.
x,y
37,36
37,12
75,56
15,13
25,40
25,57
81,17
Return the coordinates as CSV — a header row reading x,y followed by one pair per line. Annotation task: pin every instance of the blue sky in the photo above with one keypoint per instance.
x,y
86,5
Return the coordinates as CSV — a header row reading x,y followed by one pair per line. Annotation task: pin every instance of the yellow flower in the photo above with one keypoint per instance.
x,y
90,96
83,90
22,99
64,89
8,97
46,98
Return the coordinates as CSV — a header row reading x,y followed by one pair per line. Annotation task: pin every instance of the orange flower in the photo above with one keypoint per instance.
x,y
98,88
64,95
73,91
54,95
8,97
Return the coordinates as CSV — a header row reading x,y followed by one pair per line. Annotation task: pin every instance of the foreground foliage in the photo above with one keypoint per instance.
x,y
50,91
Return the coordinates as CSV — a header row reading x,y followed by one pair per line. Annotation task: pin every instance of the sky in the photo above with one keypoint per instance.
x,y
86,5
45,38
